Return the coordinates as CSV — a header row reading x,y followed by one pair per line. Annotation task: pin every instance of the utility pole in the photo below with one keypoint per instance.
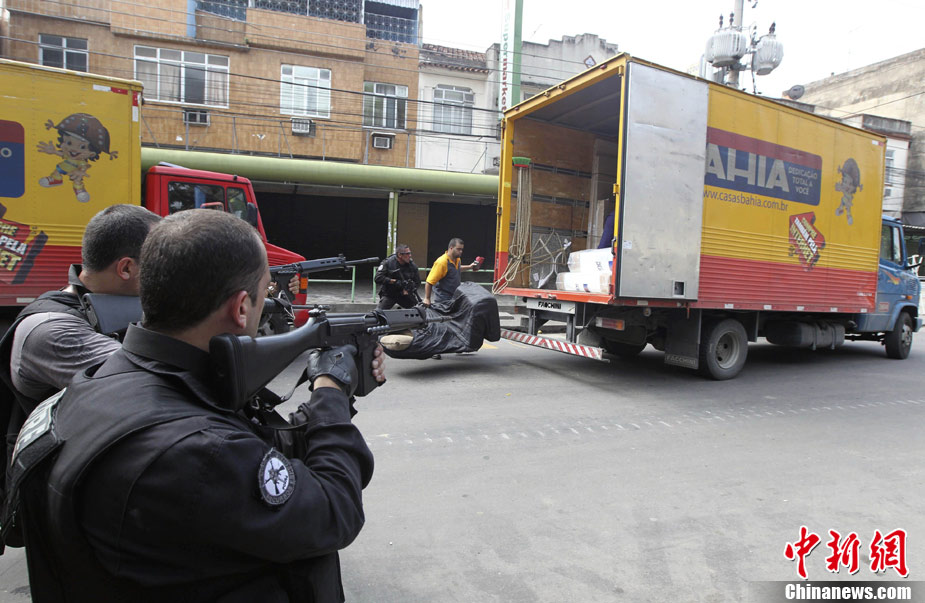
x,y
735,21
729,45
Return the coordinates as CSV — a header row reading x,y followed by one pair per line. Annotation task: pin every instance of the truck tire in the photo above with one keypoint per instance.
x,y
723,349
623,350
898,342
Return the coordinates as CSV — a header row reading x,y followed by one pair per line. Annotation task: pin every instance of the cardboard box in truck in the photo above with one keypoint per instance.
x,y
734,217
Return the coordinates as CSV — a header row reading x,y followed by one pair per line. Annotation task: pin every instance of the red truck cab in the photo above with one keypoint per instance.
x,y
169,189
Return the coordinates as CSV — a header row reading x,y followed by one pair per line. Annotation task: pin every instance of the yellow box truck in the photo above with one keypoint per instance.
x,y
644,206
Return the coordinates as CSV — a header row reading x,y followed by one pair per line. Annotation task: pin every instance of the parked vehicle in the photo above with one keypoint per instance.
x,y
734,217
70,146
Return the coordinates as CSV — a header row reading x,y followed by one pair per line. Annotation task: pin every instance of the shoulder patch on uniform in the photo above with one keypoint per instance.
x,y
275,478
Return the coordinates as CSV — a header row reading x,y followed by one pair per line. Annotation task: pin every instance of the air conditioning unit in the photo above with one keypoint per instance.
x,y
196,117
302,126
382,141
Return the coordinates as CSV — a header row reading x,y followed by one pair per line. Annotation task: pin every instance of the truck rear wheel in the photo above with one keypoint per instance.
x,y
723,349
898,342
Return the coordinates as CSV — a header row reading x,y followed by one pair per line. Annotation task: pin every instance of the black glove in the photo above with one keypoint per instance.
x,y
338,364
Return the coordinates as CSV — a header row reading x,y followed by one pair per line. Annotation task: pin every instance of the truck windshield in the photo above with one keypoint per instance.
x,y
192,195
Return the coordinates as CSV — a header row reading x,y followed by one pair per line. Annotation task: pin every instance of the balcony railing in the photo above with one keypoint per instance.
x,y
378,26
232,9
395,29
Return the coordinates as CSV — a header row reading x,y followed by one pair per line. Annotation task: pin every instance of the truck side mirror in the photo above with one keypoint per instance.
x,y
251,215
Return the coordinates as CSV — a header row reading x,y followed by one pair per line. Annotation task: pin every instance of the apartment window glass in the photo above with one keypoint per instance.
x,y
305,91
66,53
453,109
182,77
384,105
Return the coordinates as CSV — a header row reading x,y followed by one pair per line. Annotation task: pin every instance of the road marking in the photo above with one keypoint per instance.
x,y
510,433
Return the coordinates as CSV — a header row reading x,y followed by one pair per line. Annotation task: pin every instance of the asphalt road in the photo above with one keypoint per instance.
x,y
517,474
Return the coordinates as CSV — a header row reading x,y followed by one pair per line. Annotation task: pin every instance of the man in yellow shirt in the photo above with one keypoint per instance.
x,y
443,279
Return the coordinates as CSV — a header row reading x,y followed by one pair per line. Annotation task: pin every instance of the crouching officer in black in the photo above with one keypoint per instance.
x,y
152,489
398,280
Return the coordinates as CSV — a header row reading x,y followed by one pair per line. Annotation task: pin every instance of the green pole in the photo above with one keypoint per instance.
x,y
518,49
393,223
329,173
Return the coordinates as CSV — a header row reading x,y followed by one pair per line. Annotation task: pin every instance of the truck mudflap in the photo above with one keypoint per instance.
x,y
556,345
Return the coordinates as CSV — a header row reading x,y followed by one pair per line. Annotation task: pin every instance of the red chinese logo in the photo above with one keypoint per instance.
x,y
843,553
801,549
887,551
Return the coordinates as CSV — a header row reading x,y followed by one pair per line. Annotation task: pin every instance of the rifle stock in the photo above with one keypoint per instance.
x,y
244,365
111,314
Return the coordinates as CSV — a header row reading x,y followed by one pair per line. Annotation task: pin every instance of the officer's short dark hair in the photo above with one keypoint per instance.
x,y
401,248
192,262
116,232
454,242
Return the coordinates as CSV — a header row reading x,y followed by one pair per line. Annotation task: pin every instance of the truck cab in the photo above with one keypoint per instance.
x,y
898,292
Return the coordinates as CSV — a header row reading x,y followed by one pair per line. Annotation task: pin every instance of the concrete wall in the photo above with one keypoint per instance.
x,y
891,88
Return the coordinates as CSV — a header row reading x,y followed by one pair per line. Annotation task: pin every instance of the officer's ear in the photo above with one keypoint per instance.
x,y
236,309
127,268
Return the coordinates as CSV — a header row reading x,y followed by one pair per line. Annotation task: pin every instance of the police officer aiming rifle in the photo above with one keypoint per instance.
x,y
398,279
140,482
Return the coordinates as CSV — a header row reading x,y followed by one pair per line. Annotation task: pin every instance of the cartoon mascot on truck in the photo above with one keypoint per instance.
x,y
81,139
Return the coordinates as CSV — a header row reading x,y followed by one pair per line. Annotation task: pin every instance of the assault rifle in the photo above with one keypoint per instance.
x,y
283,274
244,365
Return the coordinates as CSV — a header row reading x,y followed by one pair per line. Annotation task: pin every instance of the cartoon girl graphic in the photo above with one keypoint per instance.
x,y
81,139
849,185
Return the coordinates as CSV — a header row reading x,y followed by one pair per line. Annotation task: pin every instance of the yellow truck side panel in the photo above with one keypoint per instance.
x,y
69,146
792,207
764,214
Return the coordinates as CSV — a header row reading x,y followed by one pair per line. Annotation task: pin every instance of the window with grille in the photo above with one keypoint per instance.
x,y
66,53
182,76
305,91
341,10
384,105
453,109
